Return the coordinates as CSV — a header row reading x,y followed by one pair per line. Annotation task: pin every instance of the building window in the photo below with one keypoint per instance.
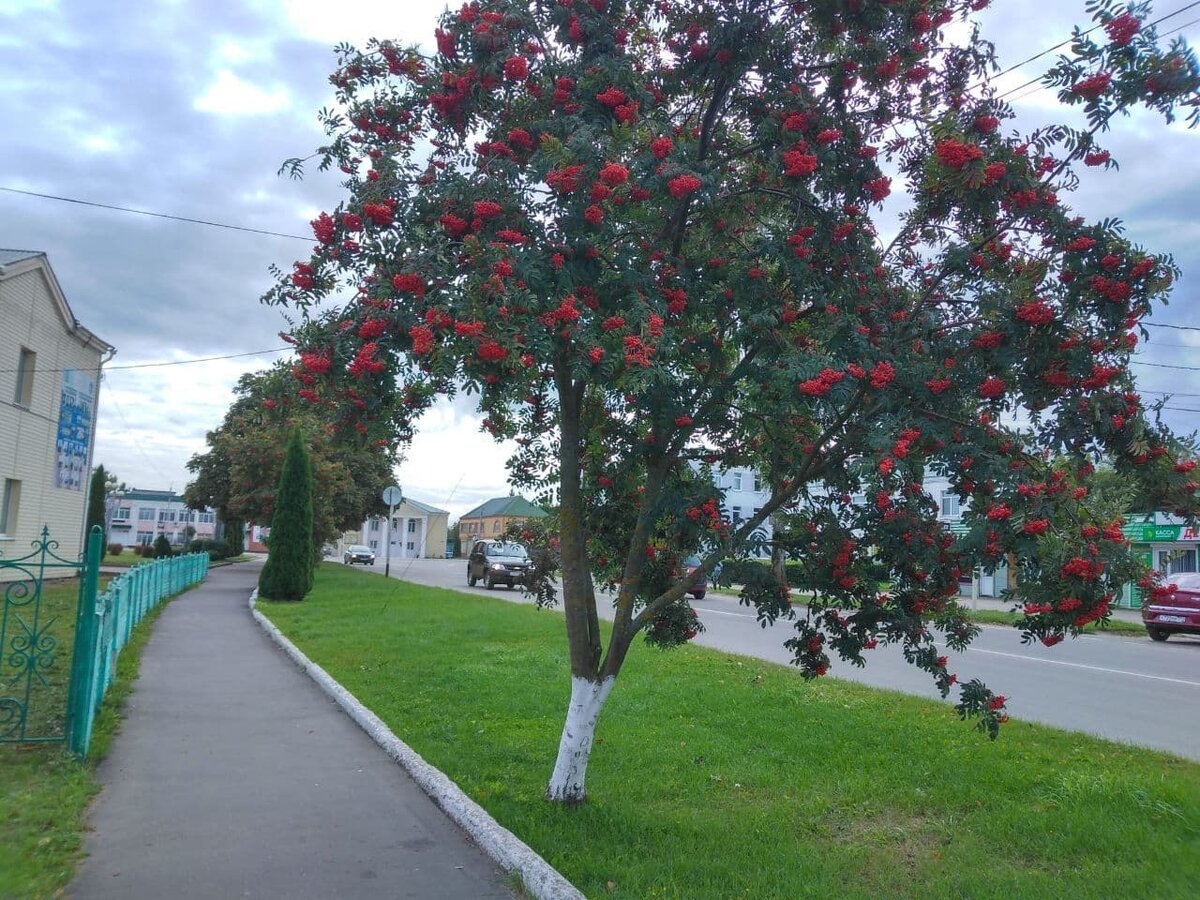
x,y
145,537
496,527
1176,562
409,545
9,505
737,481
736,513
121,514
374,526
751,482
412,526
23,395
146,514
166,515
950,505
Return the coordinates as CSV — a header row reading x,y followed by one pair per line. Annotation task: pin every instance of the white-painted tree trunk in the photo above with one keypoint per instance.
x,y
587,699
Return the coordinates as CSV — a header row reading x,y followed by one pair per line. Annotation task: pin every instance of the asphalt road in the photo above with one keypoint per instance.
x,y
1121,688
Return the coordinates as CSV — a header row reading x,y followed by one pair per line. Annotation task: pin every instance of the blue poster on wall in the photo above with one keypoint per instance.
x,y
74,429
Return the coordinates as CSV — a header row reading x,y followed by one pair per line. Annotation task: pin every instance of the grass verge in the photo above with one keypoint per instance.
x,y
44,790
1114,626
717,777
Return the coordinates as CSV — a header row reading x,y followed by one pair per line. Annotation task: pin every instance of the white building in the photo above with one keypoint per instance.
x,y
49,395
140,516
417,531
745,496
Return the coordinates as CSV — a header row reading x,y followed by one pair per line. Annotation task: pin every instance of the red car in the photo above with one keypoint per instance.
x,y
1179,613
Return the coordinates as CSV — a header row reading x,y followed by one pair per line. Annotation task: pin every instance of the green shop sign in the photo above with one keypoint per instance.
x,y
1160,534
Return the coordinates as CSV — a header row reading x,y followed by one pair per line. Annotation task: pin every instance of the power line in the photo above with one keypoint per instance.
x,y
112,395
1032,81
1164,366
177,362
158,215
1165,325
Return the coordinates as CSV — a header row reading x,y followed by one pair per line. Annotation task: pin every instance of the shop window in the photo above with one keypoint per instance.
x,y
1176,562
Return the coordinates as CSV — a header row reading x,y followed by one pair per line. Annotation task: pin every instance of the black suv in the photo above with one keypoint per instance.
x,y
498,562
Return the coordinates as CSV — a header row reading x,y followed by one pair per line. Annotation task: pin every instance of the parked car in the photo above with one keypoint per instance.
x,y
1179,613
700,588
498,562
357,553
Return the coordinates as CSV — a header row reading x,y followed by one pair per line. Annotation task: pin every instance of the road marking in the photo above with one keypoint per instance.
x,y
721,612
1059,662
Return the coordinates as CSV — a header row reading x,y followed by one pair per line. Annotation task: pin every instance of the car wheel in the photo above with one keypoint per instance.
x,y
1157,634
698,595
491,585
471,579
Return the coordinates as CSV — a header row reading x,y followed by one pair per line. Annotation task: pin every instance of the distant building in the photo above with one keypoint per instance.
x,y
745,496
139,516
49,392
492,519
418,531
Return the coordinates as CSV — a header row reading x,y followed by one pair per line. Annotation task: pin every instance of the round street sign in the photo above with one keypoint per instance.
x,y
392,495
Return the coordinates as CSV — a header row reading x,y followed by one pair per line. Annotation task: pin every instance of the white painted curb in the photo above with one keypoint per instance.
x,y
540,880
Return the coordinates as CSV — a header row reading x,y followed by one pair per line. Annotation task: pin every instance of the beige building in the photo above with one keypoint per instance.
x,y
491,519
418,531
49,395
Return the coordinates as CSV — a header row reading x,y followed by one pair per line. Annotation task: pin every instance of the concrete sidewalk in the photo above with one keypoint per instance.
x,y
234,776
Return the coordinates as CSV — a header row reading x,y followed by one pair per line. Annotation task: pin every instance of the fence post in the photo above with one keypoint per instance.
x,y
79,710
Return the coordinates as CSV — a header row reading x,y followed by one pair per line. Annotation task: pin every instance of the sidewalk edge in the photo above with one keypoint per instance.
x,y
541,880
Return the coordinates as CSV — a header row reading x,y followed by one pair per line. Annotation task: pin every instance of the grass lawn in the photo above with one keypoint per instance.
x,y
1004,617
125,558
44,791
716,776
1114,626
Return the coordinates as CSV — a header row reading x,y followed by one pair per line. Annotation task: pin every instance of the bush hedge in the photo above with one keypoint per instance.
x,y
215,549
116,549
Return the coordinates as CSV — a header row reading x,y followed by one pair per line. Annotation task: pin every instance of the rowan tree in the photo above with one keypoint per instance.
x,y
651,236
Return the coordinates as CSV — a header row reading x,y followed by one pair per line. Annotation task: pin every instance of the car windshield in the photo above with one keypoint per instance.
x,y
1186,582
360,549
499,549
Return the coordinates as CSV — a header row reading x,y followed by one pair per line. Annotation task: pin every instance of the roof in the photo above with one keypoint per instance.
x,y
425,507
506,506
12,256
159,496
24,261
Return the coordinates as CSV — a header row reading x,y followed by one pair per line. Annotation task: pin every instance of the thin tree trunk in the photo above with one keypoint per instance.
x,y
575,747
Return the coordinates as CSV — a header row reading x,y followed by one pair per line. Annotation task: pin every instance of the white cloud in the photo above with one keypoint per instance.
x,y
230,95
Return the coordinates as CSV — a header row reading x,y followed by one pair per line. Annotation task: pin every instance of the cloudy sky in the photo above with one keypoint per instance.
x,y
188,108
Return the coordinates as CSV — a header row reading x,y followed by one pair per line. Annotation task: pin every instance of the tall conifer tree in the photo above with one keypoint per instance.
x,y
288,574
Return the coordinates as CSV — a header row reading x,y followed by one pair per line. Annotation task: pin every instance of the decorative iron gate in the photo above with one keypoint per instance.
x,y
34,635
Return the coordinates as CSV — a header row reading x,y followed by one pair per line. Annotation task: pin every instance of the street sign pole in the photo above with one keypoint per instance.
x,y
387,558
391,496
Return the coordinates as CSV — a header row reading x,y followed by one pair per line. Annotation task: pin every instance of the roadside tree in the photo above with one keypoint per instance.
x,y
239,473
659,236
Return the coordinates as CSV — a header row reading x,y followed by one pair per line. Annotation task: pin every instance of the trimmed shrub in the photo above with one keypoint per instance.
x,y
162,548
288,573
215,549
116,549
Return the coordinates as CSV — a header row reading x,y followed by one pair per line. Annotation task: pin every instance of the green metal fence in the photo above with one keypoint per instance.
x,y
34,636
104,626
